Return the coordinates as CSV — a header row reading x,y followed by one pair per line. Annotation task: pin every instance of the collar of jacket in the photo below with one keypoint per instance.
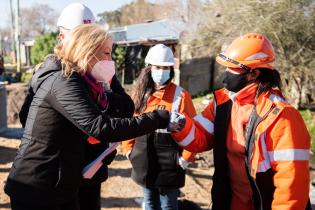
x,y
160,92
270,110
245,96
50,65
96,89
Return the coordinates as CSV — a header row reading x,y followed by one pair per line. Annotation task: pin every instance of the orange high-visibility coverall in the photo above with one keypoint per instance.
x,y
281,146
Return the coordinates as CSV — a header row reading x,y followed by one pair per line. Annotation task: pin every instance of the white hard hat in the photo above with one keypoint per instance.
x,y
160,55
74,15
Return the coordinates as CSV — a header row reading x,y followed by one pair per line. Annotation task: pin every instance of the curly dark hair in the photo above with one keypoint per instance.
x,y
268,79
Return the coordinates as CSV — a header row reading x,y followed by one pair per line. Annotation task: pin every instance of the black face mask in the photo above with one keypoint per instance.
x,y
234,82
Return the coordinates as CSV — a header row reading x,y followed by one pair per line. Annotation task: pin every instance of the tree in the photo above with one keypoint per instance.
x,y
5,35
112,18
43,46
37,20
289,24
136,12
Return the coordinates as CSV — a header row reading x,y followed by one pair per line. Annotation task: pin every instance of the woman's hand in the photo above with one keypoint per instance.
x,y
183,163
163,116
177,122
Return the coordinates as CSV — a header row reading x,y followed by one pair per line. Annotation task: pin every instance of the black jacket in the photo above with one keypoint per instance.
x,y
154,161
61,116
119,104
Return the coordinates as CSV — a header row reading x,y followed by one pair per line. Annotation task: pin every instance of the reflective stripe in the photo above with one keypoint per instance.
x,y
177,99
289,154
189,138
265,164
175,105
277,99
206,124
162,131
256,56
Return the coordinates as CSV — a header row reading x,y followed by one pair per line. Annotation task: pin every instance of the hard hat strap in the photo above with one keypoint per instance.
x,y
244,67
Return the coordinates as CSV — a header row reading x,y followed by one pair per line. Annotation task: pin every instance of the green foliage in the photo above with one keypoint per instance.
x,y
135,12
113,18
309,119
8,59
289,24
43,46
26,76
282,21
118,55
201,101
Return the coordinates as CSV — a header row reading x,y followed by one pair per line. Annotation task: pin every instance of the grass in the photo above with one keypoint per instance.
x,y
198,102
309,119
26,77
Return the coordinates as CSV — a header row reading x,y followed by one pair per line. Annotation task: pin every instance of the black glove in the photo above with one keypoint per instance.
x,y
119,106
163,116
109,158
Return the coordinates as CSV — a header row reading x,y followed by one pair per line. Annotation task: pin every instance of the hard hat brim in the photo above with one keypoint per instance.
x,y
225,63
161,63
252,63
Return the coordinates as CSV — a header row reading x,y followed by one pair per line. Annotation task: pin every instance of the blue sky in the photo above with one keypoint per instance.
x,y
97,6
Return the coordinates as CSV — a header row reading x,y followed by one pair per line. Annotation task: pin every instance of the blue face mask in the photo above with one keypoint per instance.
x,y
160,76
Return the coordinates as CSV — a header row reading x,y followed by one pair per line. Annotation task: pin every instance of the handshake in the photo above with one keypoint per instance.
x,y
177,122
173,121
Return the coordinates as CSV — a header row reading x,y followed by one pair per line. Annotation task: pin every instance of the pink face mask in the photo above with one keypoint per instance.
x,y
103,71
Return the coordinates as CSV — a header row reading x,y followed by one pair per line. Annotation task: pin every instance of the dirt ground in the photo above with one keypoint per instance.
x,y
119,191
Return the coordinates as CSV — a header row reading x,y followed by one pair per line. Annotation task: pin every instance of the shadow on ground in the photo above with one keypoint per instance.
x,y
120,157
111,202
6,156
122,172
188,205
195,175
5,206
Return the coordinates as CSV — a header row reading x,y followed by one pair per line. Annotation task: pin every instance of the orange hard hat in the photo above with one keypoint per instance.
x,y
248,52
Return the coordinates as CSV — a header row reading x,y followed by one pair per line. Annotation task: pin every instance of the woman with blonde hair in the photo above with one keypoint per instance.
x,y
47,170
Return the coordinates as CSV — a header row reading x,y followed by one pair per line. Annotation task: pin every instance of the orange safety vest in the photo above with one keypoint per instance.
x,y
172,98
279,151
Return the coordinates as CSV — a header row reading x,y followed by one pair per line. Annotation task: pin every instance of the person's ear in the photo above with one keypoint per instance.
x,y
252,76
61,36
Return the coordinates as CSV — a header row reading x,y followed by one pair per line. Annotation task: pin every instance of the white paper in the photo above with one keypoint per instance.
x,y
92,168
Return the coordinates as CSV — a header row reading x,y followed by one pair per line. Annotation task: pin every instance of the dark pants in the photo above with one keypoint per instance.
x,y
90,196
17,205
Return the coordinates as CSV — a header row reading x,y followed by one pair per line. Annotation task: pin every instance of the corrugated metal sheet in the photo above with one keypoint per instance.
x,y
145,32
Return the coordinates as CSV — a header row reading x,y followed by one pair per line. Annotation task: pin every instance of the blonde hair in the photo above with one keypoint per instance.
x,y
76,51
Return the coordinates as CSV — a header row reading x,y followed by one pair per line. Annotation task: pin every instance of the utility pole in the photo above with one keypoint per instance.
x,y
12,33
17,36
1,45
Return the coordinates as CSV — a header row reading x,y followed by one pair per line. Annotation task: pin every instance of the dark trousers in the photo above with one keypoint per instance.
x,y
90,196
17,205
